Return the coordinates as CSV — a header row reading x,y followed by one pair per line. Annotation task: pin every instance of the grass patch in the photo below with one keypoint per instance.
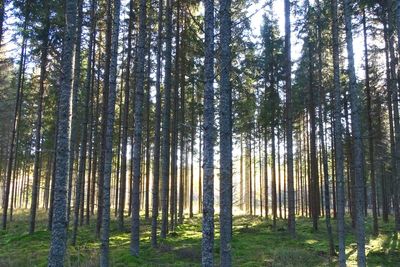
x,y
255,243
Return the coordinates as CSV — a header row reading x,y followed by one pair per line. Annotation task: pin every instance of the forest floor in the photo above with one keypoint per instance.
x,y
255,243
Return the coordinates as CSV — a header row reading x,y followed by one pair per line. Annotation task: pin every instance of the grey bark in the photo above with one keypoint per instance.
x,y
209,132
289,126
339,166
87,94
322,134
59,227
122,186
225,111
396,181
370,128
156,163
74,147
166,121
108,154
38,132
137,145
355,104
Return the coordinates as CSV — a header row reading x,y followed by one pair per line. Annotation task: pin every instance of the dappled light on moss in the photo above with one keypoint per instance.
x,y
255,243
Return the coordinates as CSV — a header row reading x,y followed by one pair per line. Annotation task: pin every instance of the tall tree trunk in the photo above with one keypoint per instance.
x,y
338,136
225,111
370,129
38,132
112,29
320,118
273,178
156,163
356,129
125,123
87,95
396,182
59,227
289,126
389,86
139,95
182,128
266,175
147,112
175,122
74,146
166,120
209,131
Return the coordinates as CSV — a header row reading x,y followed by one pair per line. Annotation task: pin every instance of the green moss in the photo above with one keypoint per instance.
x,y
254,243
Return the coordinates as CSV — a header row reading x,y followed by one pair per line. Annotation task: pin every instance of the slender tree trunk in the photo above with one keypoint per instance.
x,y
87,94
59,227
38,134
266,176
147,112
356,129
200,197
273,178
225,111
74,144
370,129
125,123
139,95
289,126
113,29
338,136
396,181
174,126
156,163
209,131
166,120
322,134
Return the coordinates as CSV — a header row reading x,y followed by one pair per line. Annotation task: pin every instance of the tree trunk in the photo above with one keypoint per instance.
x,y
87,94
225,110
59,227
113,30
338,136
38,134
209,131
156,163
166,120
355,103
137,145
370,129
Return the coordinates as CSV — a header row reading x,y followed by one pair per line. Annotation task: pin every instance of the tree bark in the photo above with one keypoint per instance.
x,y
209,131
355,104
59,227
156,163
225,111
38,135
113,29
137,145
166,120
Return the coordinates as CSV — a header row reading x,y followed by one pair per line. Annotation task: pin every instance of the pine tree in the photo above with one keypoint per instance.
x,y
59,221
208,160
225,110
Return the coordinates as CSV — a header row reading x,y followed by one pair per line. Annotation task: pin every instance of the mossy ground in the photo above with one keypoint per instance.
x,y
255,243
